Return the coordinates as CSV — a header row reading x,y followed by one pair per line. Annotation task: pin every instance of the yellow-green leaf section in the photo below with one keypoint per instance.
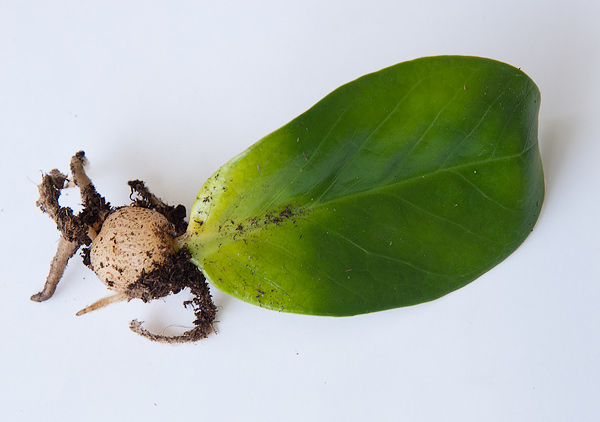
x,y
395,189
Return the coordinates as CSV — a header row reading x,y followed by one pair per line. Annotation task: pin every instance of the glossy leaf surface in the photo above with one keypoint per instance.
x,y
393,190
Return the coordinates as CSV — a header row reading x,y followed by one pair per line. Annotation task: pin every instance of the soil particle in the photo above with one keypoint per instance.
x,y
278,218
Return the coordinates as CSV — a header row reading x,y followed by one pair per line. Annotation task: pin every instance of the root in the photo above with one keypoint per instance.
x,y
176,274
69,225
95,208
64,252
197,333
75,230
175,215
118,297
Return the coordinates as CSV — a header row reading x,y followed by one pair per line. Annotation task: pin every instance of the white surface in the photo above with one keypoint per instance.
x,y
169,91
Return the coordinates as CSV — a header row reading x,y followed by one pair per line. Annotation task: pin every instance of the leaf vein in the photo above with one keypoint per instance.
x,y
367,140
367,192
388,258
486,196
439,217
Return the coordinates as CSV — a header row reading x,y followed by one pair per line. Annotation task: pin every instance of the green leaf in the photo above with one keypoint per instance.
x,y
393,190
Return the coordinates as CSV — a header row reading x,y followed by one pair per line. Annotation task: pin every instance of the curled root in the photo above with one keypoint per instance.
x,y
178,273
197,333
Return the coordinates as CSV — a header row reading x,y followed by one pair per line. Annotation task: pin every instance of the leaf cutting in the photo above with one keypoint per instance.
x,y
395,189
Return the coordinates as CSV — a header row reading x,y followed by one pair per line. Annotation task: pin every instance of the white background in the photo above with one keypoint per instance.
x,y
167,91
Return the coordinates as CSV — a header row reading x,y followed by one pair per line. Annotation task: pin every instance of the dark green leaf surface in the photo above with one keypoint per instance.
x,y
395,189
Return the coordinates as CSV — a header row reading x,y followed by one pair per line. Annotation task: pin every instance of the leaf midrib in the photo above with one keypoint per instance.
x,y
226,237
318,204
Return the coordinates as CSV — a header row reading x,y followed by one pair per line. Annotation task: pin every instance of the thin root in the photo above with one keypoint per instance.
x,y
96,209
118,297
197,333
